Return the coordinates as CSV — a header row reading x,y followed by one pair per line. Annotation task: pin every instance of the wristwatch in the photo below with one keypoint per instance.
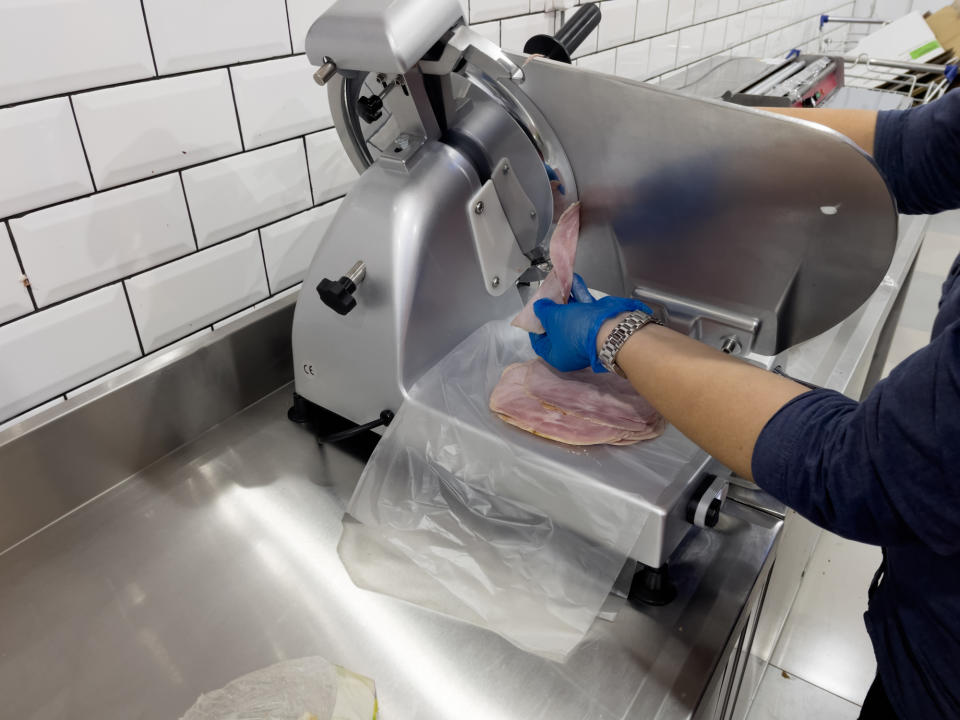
x,y
621,333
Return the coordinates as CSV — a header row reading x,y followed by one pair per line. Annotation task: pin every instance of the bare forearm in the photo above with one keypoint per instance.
x,y
858,125
719,402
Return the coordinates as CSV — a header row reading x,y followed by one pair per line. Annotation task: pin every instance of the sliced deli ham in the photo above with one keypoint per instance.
x,y
579,408
556,286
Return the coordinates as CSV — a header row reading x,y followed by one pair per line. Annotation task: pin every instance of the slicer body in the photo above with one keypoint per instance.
x,y
749,232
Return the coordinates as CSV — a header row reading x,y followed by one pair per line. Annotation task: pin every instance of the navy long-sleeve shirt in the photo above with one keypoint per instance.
x,y
886,470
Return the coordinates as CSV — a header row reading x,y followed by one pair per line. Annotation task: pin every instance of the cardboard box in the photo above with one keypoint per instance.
x,y
945,24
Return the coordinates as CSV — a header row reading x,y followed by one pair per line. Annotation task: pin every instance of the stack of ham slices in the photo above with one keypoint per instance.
x,y
576,408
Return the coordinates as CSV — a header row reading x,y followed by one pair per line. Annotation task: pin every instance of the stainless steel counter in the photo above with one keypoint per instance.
x,y
221,558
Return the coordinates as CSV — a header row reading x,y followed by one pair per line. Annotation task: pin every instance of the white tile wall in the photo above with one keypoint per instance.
x,y
14,298
604,62
181,297
246,191
53,46
279,99
481,10
41,159
31,413
52,351
135,131
618,23
331,171
303,13
680,13
289,245
192,34
241,125
633,61
80,245
515,32
651,18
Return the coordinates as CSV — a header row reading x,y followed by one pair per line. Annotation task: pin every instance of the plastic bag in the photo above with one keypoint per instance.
x,y
462,513
308,688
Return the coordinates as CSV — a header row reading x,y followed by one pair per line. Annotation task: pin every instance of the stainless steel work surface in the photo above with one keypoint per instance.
x,y
221,558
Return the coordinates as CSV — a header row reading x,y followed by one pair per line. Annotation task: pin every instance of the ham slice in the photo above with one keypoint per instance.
x,y
556,286
579,408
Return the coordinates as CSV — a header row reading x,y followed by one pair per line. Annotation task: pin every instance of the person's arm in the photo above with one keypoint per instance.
x,y
858,125
719,402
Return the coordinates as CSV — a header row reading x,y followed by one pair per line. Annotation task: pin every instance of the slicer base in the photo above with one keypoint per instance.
x,y
652,586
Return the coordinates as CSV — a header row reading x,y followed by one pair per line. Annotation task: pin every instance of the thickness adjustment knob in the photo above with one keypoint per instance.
x,y
338,294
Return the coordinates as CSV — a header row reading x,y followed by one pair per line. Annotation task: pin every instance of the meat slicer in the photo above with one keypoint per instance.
x,y
748,231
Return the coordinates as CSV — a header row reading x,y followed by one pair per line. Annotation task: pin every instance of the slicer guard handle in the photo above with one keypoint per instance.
x,y
568,38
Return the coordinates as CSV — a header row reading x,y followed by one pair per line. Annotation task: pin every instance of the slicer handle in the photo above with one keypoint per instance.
x,y
568,38
338,294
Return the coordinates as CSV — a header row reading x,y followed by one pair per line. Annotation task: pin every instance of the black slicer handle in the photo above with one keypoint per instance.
x,y
568,38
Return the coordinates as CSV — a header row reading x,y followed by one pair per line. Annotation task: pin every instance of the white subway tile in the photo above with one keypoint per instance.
x,y
515,32
756,47
538,5
67,249
680,13
705,10
713,36
49,352
14,298
690,45
663,53
135,131
489,30
481,10
243,192
184,296
192,34
727,7
55,46
651,18
735,29
31,413
303,13
279,99
289,245
331,171
618,23
602,62
633,61
753,23
41,160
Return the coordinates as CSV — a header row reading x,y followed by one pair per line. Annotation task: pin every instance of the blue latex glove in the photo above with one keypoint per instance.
x,y
570,340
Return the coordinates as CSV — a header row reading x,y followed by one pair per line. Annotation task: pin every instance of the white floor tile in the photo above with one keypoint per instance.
x,y
938,253
920,303
785,697
824,640
946,222
906,341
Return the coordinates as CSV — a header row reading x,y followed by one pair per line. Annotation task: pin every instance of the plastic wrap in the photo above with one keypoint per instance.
x,y
462,513
310,688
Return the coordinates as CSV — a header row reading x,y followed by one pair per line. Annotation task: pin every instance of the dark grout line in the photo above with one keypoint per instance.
x,y
146,29
236,110
23,271
83,146
133,318
286,7
186,202
306,157
263,256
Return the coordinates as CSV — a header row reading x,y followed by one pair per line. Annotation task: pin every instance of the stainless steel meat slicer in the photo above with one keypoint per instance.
x,y
745,230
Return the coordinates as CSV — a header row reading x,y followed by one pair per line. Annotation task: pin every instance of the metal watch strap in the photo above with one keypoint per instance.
x,y
620,334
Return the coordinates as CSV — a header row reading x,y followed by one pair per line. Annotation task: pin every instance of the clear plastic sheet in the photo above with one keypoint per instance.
x,y
310,688
462,513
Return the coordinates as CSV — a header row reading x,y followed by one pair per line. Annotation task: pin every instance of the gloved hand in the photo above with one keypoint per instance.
x,y
570,340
